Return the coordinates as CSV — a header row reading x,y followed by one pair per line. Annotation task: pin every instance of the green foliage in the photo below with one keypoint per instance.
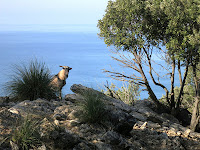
x,y
31,81
180,26
92,108
121,24
136,25
175,24
188,91
27,135
128,93
187,97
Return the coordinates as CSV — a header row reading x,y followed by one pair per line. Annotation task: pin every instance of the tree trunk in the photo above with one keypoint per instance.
x,y
172,89
182,84
179,72
150,91
195,114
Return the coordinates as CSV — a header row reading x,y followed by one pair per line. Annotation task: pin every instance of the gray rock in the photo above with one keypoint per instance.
x,y
64,140
73,115
153,125
169,117
61,112
73,98
82,146
112,138
37,107
138,116
103,146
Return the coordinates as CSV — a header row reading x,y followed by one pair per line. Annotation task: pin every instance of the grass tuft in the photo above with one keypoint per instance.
x,y
30,81
27,135
92,108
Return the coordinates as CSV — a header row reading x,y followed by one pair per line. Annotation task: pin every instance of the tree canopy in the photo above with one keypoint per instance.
x,y
172,23
137,26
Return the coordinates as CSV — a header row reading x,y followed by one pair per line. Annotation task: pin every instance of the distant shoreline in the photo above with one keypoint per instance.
x,y
49,28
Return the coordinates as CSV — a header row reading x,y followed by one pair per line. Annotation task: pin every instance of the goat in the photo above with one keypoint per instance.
x,y
59,80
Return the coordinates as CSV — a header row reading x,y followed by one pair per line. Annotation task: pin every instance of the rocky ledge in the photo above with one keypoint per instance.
x,y
126,127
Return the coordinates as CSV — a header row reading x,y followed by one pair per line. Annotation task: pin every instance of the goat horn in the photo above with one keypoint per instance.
x,y
60,66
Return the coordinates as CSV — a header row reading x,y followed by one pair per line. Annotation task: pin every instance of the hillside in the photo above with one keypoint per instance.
x,y
124,127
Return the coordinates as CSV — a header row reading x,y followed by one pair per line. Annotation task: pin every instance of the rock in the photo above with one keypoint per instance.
x,y
169,118
187,133
73,115
73,98
66,140
82,146
61,112
195,135
179,133
153,125
7,120
63,139
138,116
43,147
112,138
171,132
73,123
123,128
103,146
38,107
46,127
143,126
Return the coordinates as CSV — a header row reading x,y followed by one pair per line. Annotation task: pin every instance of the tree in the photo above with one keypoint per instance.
x,y
137,26
121,27
181,37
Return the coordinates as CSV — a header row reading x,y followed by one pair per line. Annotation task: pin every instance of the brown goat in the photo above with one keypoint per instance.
x,y
59,80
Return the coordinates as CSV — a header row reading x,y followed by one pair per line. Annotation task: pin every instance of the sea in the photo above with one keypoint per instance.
x,y
77,46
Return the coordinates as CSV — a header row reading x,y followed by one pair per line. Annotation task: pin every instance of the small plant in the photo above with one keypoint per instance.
x,y
31,81
92,108
128,93
27,135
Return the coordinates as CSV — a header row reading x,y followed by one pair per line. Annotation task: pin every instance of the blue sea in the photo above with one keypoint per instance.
x,y
77,46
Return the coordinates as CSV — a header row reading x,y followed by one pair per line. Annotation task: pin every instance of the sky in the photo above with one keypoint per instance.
x,y
51,11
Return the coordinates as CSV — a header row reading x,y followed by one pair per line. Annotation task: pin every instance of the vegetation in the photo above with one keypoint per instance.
x,y
27,135
92,108
138,27
128,93
31,81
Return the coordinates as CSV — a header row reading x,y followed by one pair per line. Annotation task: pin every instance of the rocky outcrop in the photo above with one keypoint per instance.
x,y
125,127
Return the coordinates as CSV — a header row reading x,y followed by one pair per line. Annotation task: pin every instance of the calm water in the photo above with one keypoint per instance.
x,y
83,51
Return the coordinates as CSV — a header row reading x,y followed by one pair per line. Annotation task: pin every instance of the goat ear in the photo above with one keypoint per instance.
x,y
60,66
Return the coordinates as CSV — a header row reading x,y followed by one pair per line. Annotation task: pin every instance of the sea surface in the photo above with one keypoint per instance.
x,y
69,45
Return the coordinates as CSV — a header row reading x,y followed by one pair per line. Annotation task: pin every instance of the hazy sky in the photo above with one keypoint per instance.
x,y
51,11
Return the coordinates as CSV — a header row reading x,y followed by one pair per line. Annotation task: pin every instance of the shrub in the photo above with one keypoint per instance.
x,y
31,81
92,108
128,93
27,135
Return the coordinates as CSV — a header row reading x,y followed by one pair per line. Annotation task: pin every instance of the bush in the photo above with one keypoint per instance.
x,y
92,108
31,82
128,93
27,135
